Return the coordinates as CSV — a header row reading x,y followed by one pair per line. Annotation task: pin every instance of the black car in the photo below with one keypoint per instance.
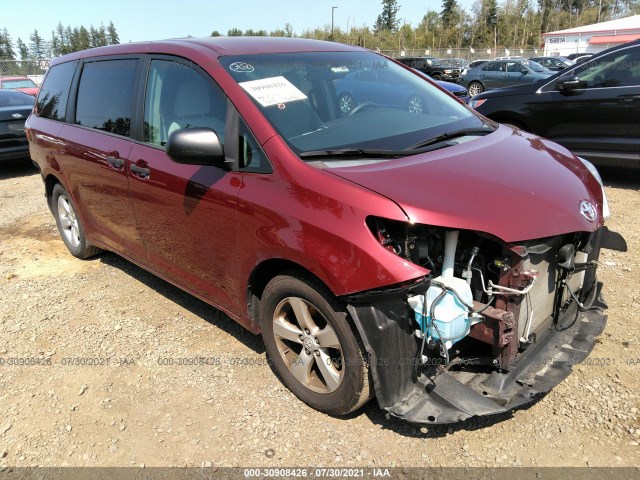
x,y
15,107
432,66
593,109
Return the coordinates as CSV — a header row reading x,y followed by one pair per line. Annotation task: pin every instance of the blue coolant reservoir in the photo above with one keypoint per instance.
x,y
451,316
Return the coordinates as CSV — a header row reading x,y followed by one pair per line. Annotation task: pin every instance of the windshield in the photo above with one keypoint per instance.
x,y
321,101
535,66
20,83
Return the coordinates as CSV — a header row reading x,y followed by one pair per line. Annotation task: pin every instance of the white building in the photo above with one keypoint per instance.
x,y
592,38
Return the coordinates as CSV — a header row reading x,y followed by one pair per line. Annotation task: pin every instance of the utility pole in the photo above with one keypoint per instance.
x,y
332,10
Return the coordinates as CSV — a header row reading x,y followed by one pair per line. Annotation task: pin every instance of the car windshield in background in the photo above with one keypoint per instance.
x,y
348,101
536,67
25,83
15,99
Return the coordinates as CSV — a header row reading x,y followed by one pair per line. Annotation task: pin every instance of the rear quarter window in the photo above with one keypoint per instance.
x,y
52,99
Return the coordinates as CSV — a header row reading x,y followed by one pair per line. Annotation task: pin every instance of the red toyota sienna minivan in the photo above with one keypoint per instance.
x,y
383,238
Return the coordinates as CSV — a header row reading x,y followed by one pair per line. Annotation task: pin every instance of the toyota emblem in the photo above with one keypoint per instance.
x,y
588,211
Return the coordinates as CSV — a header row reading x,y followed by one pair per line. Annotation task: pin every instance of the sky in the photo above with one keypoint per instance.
x,y
140,20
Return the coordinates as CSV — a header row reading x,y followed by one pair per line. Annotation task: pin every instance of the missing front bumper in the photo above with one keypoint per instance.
x,y
429,396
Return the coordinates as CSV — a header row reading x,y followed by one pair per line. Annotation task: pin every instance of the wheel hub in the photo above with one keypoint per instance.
x,y
309,344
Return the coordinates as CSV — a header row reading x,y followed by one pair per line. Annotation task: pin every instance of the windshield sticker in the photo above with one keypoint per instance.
x,y
241,67
272,91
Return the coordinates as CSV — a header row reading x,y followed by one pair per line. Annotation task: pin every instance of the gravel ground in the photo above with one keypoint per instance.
x,y
131,410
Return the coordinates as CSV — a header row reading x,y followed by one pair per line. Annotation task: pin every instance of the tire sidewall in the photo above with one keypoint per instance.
x,y
78,251
347,395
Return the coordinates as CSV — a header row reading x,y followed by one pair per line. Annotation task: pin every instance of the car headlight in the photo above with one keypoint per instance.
x,y
606,213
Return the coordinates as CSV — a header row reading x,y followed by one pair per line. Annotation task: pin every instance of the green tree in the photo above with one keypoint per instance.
x,y
23,50
449,14
112,35
6,46
37,46
234,32
215,33
387,20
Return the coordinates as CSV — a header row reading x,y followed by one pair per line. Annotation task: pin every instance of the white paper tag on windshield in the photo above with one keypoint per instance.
x,y
272,91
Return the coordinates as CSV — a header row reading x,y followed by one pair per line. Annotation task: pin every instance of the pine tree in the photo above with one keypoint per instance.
x,y
449,13
23,51
7,45
37,46
388,20
112,35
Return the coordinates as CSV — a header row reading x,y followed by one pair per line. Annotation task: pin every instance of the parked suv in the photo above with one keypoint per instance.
x,y
380,250
593,108
430,65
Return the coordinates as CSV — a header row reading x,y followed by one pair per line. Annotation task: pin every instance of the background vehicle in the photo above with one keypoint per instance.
x,y
372,85
593,108
429,65
15,107
22,84
453,68
553,63
502,73
362,245
453,88
473,64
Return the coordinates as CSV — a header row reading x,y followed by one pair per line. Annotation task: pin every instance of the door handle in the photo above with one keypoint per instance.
x,y
115,162
140,169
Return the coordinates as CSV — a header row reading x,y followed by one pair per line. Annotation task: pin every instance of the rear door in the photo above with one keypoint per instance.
x,y
600,119
186,213
492,74
95,155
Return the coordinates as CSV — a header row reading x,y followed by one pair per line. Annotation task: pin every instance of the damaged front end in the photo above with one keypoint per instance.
x,y
490,327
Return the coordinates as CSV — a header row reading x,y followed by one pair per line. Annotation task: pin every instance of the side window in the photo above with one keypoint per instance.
x,y
615,70
491,67
52,99
514,67
180,97
105,95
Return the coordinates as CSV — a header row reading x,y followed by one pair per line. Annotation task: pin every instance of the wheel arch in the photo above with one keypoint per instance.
x,y
263,273
50,181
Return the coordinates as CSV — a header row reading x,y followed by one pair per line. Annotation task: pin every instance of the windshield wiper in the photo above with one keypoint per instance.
x,y
355,153
449,136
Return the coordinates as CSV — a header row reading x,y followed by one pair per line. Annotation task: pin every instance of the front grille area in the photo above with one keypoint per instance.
x,y
541,297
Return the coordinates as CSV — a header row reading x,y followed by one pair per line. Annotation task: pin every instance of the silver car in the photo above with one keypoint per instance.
x,y
502,73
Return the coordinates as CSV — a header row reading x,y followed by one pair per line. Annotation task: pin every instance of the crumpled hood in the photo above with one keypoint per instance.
x,y
509,183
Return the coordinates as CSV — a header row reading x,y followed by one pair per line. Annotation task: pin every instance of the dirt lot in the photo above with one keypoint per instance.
x,y
131,409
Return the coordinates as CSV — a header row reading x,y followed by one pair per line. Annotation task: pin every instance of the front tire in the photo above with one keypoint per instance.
x,y
69,224
312,346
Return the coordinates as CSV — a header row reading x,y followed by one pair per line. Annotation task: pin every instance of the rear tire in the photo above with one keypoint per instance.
x,y
69,224
475,88
312,345
346,103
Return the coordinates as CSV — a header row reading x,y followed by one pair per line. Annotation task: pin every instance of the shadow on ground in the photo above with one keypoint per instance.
x,y
17,168
199,308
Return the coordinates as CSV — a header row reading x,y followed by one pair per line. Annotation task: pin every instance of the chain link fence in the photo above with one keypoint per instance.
x,y
34,69
468,54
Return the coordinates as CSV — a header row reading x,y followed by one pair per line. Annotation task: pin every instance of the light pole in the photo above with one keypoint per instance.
x,y
332,10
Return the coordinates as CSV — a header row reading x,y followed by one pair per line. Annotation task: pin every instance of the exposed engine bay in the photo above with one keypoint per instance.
x,y
468,327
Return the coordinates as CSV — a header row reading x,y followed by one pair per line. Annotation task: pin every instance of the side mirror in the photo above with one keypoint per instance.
x,y
196,146
524,71
567,84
